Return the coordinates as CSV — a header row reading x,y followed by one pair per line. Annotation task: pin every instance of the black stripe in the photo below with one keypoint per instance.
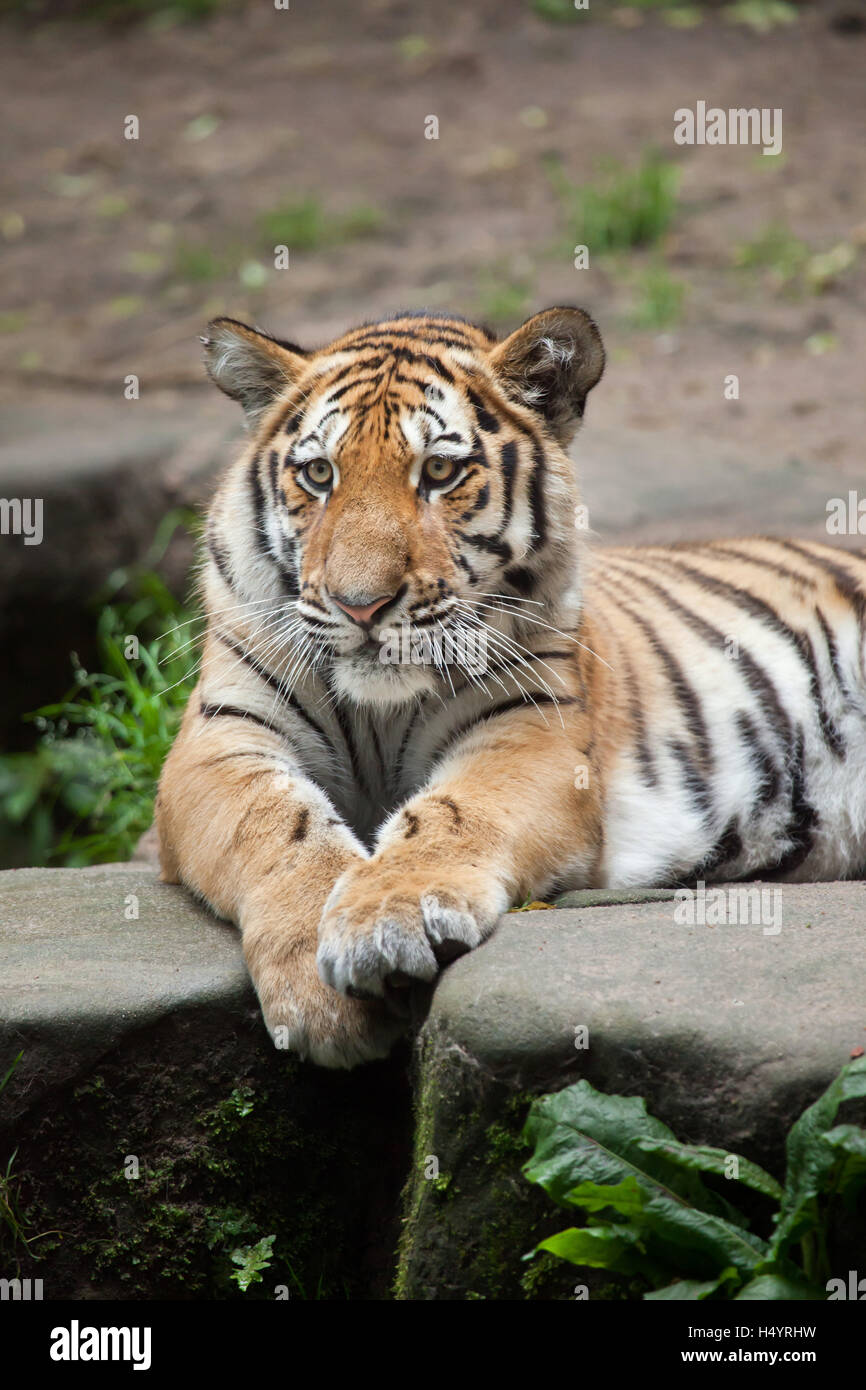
x,y
759,560
764,612
756,678
261,539
232,712
727,850
219,558
359,364
377,745
644,755
694,783
504,708
480,502
521,579
350,386
508,461
383,338
348,739
464,564
405,739
684,693
270,679
301,824
832,653
804,817
275,474
843,579
486,419
433,415
762,764
491,545
537,503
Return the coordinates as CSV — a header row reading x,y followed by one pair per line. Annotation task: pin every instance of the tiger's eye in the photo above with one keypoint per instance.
x,y
318,473
439,471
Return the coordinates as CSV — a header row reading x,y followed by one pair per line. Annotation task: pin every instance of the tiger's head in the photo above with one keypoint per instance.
x,y
412,475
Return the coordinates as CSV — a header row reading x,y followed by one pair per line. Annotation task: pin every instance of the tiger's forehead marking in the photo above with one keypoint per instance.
x,y
369,394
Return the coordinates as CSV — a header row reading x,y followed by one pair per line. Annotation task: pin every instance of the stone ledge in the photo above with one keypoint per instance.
x,y
78,975
143,1037
728,1033
134,1030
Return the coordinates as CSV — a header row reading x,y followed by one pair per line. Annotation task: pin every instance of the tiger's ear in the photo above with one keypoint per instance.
x,y
251,367
550,364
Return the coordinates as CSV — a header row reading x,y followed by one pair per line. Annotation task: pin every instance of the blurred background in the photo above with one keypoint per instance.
x,y
307,128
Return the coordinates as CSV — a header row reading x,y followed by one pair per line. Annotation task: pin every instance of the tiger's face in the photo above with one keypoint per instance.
x,y
413,481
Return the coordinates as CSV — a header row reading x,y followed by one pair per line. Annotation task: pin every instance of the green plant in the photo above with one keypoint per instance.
x,y
12,1219
761,16
789,263
85,794
303,223
660,299
624,208
251,1260
560,11
775,250
502,301
653,1215
199,263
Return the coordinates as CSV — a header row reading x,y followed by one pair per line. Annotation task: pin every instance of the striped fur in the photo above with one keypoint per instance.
x,y
645,716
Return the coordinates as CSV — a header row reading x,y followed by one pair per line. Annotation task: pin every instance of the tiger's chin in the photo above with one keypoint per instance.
x,y
365,680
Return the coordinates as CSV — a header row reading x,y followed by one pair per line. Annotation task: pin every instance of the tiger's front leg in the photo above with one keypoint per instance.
x,y
459,854
241,825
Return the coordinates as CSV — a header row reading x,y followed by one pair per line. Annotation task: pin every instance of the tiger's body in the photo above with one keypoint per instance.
x,y
645,716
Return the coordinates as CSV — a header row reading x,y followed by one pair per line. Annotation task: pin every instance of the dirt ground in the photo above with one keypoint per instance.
x,y
117,251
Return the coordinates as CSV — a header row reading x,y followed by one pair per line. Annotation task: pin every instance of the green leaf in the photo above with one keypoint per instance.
x,y
252,1259
626,1198
811,1158
598,1247
849,1143
708,1160
581,1136
693,1290
768,1287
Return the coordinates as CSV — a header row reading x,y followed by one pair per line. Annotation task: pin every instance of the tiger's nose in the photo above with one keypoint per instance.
x,y
361,613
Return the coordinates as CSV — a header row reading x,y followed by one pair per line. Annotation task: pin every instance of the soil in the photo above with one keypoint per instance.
x,y
104,236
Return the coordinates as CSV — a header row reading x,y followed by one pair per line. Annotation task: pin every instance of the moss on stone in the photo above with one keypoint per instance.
x,y
234,1142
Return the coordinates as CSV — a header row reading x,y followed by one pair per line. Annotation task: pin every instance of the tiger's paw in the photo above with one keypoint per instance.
x,y
384,928
315,1023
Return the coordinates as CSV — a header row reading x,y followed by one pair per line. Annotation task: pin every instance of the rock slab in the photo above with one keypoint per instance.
x,y
729,1032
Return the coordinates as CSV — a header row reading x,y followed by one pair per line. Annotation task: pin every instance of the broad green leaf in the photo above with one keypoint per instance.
x,y
849,1143
811,1158
581,1136
626,1197
708,1160
693,1290
769,1287
598,1247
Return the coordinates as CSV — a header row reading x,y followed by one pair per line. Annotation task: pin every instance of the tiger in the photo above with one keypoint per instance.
x,y
426,695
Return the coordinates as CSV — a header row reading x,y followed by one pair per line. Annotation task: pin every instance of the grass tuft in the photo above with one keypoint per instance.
x,y
85,793
623,209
